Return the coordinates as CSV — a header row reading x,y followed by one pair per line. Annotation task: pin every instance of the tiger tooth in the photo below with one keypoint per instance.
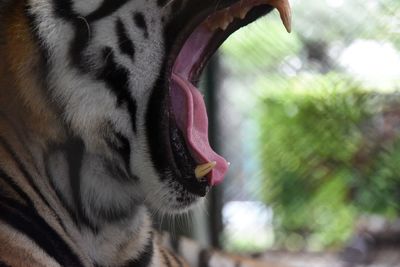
x,y
285,12
224,25
243,12
226,20
227,16
204,169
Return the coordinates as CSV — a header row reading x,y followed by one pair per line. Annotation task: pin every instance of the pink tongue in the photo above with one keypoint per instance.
x,y
191,118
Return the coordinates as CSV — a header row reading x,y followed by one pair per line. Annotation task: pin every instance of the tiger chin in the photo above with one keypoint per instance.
x,y
101,124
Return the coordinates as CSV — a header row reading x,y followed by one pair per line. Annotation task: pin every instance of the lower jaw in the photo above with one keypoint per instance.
x,y
185,164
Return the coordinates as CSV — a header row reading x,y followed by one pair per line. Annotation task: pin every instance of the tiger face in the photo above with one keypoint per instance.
x,y
122,76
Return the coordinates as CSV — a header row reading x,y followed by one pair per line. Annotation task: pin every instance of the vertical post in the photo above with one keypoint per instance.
x,y
215,196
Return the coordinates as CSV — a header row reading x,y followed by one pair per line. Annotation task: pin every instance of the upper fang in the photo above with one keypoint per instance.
x,y
285,12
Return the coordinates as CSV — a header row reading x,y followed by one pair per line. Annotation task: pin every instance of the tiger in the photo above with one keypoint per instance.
x,y
101,124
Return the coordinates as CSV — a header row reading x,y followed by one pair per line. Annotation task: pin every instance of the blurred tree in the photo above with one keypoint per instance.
x,y
330,146
326,160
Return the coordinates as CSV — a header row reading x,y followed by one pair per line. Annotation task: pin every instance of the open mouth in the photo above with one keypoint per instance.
x,y
193,154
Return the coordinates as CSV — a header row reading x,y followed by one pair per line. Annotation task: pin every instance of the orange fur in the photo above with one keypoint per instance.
x,y
21,94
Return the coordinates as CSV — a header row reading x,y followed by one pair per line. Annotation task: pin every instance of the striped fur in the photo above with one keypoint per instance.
x,y
81,111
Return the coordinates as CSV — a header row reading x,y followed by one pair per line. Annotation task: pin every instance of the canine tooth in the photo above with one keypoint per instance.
x,y
285,12
242,14
244,11
226,19
204,169
224,25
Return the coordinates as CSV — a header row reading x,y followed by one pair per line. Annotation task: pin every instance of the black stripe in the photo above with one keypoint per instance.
x,y
125,44
140,22
162,3
28,201
63,9
174,242
72,214
74,150
67,206
145,257
121,147
112,214
115,171
8,180
114,75
116,78
28,222
204,258
165,257
24,172
124,149
107,8
156,119
79,43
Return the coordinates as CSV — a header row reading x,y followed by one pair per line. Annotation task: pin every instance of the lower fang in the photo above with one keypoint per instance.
x,y
202,170
283,6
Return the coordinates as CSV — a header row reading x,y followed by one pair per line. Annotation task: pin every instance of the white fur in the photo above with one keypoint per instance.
x,y
88,105
87,6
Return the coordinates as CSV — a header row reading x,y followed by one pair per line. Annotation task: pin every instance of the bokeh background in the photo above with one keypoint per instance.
x,y
310,122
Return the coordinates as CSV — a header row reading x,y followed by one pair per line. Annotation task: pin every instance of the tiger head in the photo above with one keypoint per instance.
x,y
120,77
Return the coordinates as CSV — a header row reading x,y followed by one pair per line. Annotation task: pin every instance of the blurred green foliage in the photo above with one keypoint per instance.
x,y
260,54
325,161
329,143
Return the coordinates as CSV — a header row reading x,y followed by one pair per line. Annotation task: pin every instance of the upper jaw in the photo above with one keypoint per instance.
x,y
240,13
